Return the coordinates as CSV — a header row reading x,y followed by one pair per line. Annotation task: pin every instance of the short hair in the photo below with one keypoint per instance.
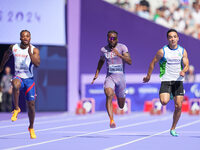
x,y
112,31
171,30
24,31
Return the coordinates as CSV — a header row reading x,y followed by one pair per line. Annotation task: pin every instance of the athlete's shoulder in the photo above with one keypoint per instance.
x,y
35,49
15,45
165,47
123,47
104,49
181,47
33,46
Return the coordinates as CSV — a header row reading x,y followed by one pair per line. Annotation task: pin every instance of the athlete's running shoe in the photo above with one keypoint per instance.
x,y
112,124
15,113
173,133
32,133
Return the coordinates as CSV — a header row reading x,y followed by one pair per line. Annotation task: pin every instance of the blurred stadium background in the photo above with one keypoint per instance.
x,y
70,33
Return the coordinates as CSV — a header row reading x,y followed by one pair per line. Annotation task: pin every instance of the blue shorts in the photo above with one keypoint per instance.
x,y
28,86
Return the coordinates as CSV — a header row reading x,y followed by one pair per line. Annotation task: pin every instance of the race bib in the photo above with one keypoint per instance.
x,y
116,68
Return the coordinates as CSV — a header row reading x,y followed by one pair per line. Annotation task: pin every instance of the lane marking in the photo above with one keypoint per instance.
x,y
53,116
47,122
143,138
60,127
95,132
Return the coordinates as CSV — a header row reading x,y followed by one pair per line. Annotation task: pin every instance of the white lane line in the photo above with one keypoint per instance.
x,y
68,119
67,132
146,137
39,118
54,128
95,132
60,127
36,123
49,121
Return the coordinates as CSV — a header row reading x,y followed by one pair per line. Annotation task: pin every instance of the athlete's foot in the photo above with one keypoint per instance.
x,y
32,133
173,133
15,113
112,124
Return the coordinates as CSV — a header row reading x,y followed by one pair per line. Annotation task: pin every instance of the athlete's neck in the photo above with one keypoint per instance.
x,y
22,46
111,46
173,46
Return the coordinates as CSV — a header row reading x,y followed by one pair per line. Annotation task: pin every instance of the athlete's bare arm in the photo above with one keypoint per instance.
x,y
126,57
100,64
186,63
6,56
156,58
35,56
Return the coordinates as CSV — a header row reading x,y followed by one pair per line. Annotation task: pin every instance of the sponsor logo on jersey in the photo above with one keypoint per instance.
x,y
21,55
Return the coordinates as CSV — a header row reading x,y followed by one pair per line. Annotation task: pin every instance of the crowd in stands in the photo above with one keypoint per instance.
x,y
6,91
184,16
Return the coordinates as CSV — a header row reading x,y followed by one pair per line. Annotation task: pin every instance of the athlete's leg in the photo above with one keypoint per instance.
x,y
178,93
177,113
109,96
109,87
30,96
16,91
164,93
31,115
120,90
164,98
31,112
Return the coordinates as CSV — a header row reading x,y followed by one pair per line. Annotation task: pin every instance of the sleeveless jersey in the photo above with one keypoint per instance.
x,y
114,64
22,61
171,64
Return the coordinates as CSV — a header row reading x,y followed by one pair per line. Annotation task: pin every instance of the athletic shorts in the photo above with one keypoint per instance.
x,y
28,86
174,87
117,83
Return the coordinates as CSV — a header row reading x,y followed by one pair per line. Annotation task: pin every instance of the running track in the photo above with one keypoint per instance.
x,y
137,131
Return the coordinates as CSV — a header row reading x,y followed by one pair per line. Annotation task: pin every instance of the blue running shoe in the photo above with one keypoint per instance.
x,y
173,133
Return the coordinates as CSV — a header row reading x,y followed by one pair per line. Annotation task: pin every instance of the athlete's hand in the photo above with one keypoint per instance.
x,y
146,79
114,50
95,77
182,73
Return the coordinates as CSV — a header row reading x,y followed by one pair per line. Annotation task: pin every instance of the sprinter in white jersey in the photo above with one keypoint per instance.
x,y
115,55
174,64
25,57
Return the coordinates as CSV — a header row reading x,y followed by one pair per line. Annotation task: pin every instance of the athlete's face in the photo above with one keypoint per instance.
x,y
173,38
112,39
25,38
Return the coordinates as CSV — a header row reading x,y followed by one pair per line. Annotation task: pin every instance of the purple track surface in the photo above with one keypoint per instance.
x,y
138,131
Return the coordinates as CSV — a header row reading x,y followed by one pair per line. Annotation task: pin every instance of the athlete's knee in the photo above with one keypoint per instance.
x,y
31,104
178,106
121,102
109,94
16,85
163,102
